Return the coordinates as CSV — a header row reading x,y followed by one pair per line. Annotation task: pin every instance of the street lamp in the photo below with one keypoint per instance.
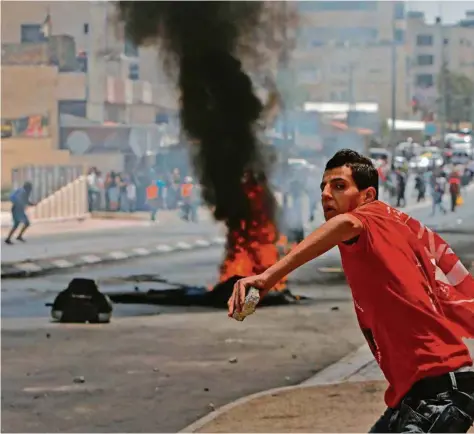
x,y
393,84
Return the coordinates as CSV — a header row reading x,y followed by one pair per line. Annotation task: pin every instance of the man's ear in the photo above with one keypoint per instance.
x,y
370,195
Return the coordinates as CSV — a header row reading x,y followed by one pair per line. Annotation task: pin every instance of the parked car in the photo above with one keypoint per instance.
x,y
427,160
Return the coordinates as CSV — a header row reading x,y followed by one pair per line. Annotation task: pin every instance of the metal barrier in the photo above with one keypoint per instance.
x,y
45,179
69,202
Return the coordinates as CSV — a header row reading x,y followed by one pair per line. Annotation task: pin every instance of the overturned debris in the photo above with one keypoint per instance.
x,y
187,295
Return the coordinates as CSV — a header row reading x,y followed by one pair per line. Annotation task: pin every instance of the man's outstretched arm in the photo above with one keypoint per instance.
x,y
341,228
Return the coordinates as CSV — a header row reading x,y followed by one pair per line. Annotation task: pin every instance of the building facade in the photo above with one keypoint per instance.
x,y
344,53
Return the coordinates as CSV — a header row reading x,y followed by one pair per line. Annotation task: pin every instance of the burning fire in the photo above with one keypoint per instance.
x,y
255,247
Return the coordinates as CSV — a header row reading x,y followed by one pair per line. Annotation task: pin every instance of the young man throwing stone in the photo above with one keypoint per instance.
x,y
413,298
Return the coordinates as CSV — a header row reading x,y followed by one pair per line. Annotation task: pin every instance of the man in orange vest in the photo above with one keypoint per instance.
x,y
189,208
152,198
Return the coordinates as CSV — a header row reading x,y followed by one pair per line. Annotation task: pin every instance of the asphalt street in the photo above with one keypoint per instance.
x,y
141,236
25,298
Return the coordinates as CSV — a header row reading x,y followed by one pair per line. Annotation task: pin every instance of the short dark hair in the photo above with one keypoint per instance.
x,y
364,173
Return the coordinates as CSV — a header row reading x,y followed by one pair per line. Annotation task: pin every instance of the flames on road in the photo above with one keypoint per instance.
x,y
254,246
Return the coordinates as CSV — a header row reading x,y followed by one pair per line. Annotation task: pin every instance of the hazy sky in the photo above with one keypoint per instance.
x,y
451,11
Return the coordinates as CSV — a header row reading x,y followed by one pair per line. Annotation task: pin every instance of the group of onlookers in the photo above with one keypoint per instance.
x,y
127,193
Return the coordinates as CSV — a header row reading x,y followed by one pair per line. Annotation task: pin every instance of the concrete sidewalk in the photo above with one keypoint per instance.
x,y
345,397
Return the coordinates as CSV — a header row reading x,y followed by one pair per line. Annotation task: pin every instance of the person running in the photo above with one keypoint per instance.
x,y
413,298
20,199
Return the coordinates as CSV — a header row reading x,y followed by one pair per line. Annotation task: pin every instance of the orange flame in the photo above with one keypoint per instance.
x,y
256,246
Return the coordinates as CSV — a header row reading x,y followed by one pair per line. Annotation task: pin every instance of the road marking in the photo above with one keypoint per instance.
x,y
202,243
219,240
164,248
141,251
118,255
91,259
62,263
183,245
28,266
331,270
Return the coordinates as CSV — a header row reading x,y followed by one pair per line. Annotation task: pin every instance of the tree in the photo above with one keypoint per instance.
x,y
458,96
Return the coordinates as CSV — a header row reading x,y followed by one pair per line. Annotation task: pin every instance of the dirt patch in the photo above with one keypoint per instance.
x,y
345,407
161,373
348,407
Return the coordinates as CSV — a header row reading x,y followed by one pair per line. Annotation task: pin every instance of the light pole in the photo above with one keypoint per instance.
x,y
393,84
442,112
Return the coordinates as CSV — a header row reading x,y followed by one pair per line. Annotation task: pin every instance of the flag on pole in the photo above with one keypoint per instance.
x,y
46,26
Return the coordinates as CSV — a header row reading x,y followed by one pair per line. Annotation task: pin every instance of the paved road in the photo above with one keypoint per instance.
x,y
61,245
64,244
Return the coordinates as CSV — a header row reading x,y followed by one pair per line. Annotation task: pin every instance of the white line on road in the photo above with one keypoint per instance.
x,y
164,248
28,266
90,259
184,246
62,263
202,243
118,255
219,240
141,251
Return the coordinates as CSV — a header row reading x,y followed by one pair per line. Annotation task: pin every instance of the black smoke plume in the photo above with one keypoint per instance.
x,y
219,109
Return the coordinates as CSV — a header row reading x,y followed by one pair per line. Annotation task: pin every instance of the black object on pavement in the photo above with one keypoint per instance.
x,y
82,302
187,295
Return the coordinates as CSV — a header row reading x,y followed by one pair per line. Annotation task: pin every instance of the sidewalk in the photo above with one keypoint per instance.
x,y
345,397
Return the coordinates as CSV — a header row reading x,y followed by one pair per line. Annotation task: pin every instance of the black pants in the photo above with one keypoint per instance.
x,y
454,198
431,409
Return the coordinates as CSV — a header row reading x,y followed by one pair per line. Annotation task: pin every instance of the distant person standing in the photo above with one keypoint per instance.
x,y
439,189
401,187
420,187
152,198
131,195
20,199
454,188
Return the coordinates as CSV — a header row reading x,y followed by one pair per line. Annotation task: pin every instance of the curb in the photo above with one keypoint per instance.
x,y
44,266
335,373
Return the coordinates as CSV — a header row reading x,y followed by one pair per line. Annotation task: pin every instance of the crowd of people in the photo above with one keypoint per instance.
x,y
433,182
124,192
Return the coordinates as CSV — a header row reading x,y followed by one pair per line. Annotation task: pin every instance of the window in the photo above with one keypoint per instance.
x,y
130,49
424,40
399,36
425,80
425,60
134,71
318,6
82,62
31,33
399,10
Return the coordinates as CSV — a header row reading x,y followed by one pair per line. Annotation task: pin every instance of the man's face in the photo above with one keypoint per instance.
x,y
339,193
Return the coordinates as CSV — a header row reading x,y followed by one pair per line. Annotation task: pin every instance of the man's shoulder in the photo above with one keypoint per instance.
x,y
380,210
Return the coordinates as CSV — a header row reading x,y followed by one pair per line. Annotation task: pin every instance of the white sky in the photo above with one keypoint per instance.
x,y
451,11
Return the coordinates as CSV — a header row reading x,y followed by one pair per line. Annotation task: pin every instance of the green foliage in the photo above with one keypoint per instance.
x,y
459,94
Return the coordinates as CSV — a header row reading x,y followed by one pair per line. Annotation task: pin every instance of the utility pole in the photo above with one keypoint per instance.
x,y
442,109
393,86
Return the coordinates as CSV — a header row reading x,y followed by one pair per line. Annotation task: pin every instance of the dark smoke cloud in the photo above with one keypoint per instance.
x,y
219,109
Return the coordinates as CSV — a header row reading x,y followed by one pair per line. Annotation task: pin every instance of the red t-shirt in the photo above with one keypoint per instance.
x,y
392,279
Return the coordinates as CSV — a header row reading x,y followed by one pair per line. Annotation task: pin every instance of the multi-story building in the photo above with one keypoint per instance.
x,y
124,83
431,45
345,48
344,52
65,64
